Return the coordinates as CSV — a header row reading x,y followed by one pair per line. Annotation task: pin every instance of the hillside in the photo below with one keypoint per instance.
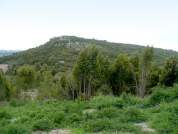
x,y
60,53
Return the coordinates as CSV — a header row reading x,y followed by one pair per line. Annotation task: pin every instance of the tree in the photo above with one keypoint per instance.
x,y
146,59
46,86
93,67
2,87
26,76
119,73
80,69
63,81
170,71
154,73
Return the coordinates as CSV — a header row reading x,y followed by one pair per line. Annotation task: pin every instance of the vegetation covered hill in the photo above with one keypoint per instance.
x,y
60,53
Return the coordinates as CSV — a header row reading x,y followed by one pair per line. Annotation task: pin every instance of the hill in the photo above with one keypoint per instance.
x,y
60,53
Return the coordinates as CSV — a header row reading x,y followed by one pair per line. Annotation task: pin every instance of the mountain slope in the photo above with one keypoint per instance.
x,y
60,53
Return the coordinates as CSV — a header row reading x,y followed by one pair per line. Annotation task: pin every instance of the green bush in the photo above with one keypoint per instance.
x,y
165,122
4,114
125,98
133,114
102,102
42,124
110,112
96,125
158,96
13,102
16,129
91,115
109,125
24,118
74,117
59,117
4,122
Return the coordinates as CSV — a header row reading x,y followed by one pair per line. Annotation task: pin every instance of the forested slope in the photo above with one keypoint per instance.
x,y
60,53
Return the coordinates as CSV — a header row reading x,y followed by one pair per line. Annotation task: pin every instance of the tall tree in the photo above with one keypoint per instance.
x,y
93,66
2,87
146,59
81,68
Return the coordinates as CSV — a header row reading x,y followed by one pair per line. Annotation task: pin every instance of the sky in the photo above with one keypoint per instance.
x,y
27,24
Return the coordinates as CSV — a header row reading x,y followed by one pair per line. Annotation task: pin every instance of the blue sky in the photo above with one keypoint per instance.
x,y
26,24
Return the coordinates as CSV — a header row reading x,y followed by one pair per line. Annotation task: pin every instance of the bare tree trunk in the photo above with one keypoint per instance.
x,y
72,88
142,88
84,82
135,79
89,86
80,83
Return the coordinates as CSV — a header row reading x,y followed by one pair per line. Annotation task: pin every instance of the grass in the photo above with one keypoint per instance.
x,y
111,114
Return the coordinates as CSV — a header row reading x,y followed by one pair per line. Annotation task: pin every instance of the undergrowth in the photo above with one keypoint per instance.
x,y
110,114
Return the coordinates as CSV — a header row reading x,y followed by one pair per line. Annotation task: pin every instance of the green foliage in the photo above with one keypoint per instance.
x,y
158,96
133,114
13,102
101,114
165,118
110,112
42,124
102,102
16,129
170,71
59,117
63,81
4,122
4,114
26,77
24,119
2,87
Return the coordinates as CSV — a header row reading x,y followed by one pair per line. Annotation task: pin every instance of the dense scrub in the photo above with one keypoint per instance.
x,y
109,114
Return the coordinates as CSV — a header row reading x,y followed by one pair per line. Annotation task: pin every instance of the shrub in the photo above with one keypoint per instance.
x,y
16,129
42,124
59,117
4,122
110,112
125,98
4,114
165,122
96,125
158,96
74,117
109,125
23,119
133,114
103,102
13,102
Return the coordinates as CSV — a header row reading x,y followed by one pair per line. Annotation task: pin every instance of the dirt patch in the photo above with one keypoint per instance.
x,y
4,67
3,102
89,111
60,131
144,127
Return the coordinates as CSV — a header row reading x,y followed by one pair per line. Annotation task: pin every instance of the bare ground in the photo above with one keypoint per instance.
x,y
60,131
4,67
144,127
3,102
